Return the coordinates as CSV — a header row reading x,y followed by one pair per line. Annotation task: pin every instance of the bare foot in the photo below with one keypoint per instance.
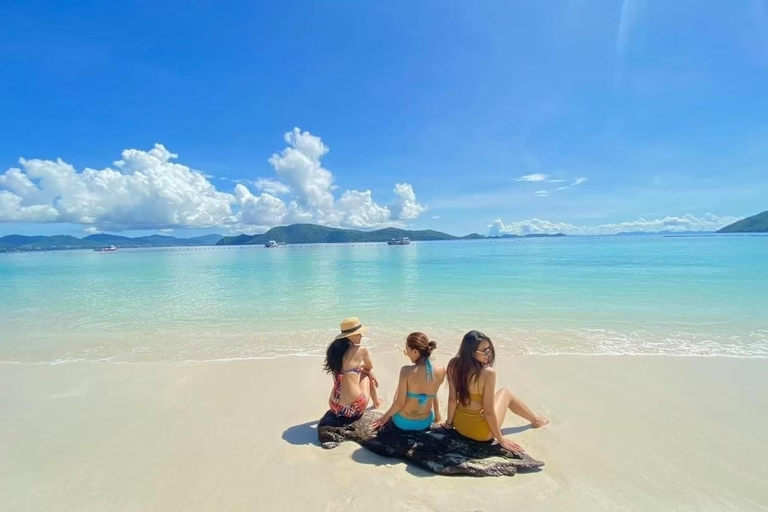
x,y
540,422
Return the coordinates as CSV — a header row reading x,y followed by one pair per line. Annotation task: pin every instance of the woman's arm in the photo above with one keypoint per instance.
x,y
398,403
451,403
489,410
368,366
367,362
436,409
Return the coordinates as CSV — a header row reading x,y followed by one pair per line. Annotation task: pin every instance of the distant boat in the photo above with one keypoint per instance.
x,y
271,244
400,241
109,248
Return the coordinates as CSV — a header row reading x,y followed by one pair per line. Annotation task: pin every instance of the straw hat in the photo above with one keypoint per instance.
x,y
349,327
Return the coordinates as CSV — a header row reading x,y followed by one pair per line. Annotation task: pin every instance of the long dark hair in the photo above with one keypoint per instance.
x,y
419,341
464,368
334,355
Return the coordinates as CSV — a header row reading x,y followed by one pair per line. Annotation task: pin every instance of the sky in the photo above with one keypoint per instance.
x,y
579,116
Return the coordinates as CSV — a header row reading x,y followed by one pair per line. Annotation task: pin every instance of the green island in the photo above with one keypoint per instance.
x,y
293,234
754,224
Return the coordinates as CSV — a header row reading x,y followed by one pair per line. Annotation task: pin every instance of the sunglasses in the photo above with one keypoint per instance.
x,y
487,352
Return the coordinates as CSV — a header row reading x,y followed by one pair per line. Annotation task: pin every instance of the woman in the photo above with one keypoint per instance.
x,y
350,364
475,409
415,406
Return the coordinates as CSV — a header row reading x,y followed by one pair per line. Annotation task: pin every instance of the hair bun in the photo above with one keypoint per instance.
x,y
431,346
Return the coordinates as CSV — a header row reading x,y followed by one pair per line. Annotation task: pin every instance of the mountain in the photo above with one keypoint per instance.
x,y
314,234
14,243
754,224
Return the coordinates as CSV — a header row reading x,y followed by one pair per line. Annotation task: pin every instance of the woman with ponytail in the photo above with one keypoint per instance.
x,y
415,406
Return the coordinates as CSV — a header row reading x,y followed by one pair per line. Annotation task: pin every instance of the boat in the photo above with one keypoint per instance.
x,y
400,241
271,244
109,248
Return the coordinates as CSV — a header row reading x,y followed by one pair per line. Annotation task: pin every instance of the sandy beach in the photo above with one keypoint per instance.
x,y
627,433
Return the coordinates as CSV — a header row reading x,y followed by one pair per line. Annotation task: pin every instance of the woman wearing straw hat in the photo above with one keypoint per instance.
x,y
350,365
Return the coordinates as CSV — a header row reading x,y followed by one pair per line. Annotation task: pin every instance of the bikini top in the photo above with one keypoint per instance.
x,y
342,373
473,397
423,397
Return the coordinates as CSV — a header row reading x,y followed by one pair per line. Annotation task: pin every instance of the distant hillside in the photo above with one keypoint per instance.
x,y
314,234
14,243
754,224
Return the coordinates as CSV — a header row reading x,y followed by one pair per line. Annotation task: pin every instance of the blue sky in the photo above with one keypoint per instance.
x,y
645,110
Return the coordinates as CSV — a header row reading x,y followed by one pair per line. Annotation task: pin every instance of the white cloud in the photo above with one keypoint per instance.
x,y
628,20
688,222
273,187
299,164
357,210
435,217
533,177
148,190
576,183
91,230
544,178
406,207
145,189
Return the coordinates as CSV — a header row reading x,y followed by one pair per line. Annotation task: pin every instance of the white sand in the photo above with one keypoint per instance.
x,y
627,433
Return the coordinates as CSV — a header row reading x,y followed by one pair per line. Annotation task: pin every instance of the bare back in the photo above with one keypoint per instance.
x,y
416,383
356,357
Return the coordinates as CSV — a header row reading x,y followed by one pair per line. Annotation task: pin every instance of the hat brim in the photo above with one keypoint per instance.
x,y
362,330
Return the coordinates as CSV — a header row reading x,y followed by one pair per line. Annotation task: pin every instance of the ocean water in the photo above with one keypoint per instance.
x,y
656,295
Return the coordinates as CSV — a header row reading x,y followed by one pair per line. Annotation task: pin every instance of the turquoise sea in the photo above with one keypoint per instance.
x,y
667,295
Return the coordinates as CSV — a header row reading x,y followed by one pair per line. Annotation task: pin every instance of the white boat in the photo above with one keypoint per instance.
x,y
109,248
400,241
271,244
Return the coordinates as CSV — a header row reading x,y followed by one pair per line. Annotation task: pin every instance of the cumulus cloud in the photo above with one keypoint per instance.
x,y
149,190
144,190
688,222
406,207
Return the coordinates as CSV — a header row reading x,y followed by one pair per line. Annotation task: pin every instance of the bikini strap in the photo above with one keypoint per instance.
x,y
428,368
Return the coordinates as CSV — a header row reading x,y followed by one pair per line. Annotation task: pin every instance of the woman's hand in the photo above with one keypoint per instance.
x,y
370,375
377,424
512,447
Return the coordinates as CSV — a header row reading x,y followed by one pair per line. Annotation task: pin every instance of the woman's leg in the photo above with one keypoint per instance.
x,y
505,401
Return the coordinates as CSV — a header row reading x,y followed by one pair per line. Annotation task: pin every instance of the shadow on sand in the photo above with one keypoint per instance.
x,y
515,430
363,456
304,434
